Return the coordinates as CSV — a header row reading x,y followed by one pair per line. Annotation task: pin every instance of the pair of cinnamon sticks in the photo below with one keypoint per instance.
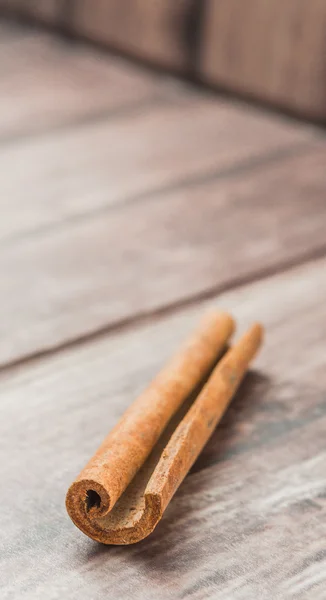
x,y
121,494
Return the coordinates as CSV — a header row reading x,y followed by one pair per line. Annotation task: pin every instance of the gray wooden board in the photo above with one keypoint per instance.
x,y
272,50
46,83
249,522
95,272
180,135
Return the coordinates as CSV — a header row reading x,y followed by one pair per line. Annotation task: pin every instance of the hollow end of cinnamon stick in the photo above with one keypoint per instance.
x,y
121,494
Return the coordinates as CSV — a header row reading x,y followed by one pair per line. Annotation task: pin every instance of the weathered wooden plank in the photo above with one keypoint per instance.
x,y
97,271
155,31
159,31
182,136
258,523
272,50
54,83
250,526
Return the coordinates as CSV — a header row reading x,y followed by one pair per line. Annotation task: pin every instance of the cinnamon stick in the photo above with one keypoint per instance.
x,y
122,493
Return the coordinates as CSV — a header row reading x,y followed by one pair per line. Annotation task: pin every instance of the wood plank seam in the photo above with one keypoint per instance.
x,y
273,498
124,111
146,316
238,169
192,36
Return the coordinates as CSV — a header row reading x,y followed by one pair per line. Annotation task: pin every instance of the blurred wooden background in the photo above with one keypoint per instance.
x,y
270,50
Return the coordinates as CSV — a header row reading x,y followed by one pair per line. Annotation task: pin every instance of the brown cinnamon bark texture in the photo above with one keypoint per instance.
x,y
122,493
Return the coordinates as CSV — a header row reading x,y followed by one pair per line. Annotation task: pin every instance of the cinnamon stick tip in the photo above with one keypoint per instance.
x,y
221,316
254,337
259,330
86,498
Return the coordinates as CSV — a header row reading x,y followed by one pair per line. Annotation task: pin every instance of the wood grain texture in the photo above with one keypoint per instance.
x,y
106,222
179,137
249,523
155,31
55,83
271,50
95,272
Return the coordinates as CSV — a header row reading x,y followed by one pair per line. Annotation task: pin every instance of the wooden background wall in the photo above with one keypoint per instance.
x,y
270,50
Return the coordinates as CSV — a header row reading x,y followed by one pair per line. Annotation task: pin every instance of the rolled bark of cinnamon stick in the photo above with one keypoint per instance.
x,y
123,491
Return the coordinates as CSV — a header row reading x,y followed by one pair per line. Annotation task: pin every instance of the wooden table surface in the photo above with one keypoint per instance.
x,y
129,203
